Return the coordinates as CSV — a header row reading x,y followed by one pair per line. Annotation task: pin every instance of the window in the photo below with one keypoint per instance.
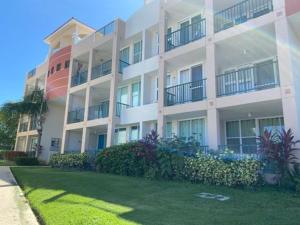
x,y
121,136
58,67
241,136
123,95
55,142
134,133
135,98
192,129
271,124
52,70
124,55
169,80
169,130
67,64
137,52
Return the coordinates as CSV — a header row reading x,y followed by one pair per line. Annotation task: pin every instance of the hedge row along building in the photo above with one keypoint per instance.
x,y
219,71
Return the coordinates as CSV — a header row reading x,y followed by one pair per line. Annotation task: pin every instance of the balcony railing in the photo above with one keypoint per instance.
x,y
99,111
241,12
33,124
183,93
120,107
23,127
258,77
76,116
31,73
240,149
122,66
79,78
185,35
101,70
107,29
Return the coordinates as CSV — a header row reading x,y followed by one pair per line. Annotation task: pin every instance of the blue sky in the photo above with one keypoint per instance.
x,y
25,23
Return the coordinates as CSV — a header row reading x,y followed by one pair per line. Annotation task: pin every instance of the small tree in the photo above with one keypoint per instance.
x,y
279,148
35,106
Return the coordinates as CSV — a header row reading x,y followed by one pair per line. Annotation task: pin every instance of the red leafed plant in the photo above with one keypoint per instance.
x,y
280,148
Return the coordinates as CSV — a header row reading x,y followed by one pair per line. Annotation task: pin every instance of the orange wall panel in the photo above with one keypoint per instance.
x,y
57,83
292,6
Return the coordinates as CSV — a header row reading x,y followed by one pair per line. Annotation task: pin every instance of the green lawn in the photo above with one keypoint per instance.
x,y
81,198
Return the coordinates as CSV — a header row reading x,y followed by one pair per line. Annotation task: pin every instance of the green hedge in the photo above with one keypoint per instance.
x,y
26,161
72,161
135,160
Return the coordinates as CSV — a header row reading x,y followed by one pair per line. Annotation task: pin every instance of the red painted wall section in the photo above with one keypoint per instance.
x,y
57,82
292,7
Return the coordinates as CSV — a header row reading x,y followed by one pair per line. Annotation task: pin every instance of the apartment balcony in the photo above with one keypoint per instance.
x,y
76,116
186,35
122,66
108,29
185,93
31,73
99,111
33,125
241,13
101,70
23,127
120,107
253,78
79,78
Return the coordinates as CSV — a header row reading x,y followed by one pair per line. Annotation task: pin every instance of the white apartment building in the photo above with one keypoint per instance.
x,y
219,71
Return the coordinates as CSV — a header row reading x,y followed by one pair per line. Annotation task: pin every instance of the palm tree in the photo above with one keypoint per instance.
x,y
35,106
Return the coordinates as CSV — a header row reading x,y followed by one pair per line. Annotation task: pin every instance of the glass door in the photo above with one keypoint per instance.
x,y
184,32
197,86
184,87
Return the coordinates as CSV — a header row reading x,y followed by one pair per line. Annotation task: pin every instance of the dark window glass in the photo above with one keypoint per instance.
x,y
58,67
67,64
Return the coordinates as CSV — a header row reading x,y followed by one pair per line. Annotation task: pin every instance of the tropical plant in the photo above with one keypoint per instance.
x,y
35,106
279,149
8,129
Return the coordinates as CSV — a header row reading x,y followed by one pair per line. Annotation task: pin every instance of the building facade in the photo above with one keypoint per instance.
x,y
221,72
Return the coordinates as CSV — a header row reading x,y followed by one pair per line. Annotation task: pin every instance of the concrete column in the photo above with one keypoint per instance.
x,y
83,139
288,47
161,70
213,128
141,130
114,81
64,136
144,41
209,17
210,72
26,144
142,91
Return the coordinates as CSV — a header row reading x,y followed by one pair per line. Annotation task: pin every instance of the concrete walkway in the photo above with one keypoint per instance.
x,y
14,209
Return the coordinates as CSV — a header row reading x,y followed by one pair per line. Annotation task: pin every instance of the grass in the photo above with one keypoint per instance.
x,y
6,163
87,198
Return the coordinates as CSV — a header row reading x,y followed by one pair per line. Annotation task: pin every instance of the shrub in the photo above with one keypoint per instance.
x,y
12,155
135,160
74,161
26,161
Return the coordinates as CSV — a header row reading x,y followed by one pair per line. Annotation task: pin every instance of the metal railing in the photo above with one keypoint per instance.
x,y
241,12
185,35
99,111
254,78
76,116
33,124
122,66
120,107
31,73
107,29
23,127
79,78
183,93
101,70
240,149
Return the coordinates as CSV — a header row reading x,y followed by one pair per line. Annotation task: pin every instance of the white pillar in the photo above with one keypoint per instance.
x,y
289,72
83,139
213,129
161,70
